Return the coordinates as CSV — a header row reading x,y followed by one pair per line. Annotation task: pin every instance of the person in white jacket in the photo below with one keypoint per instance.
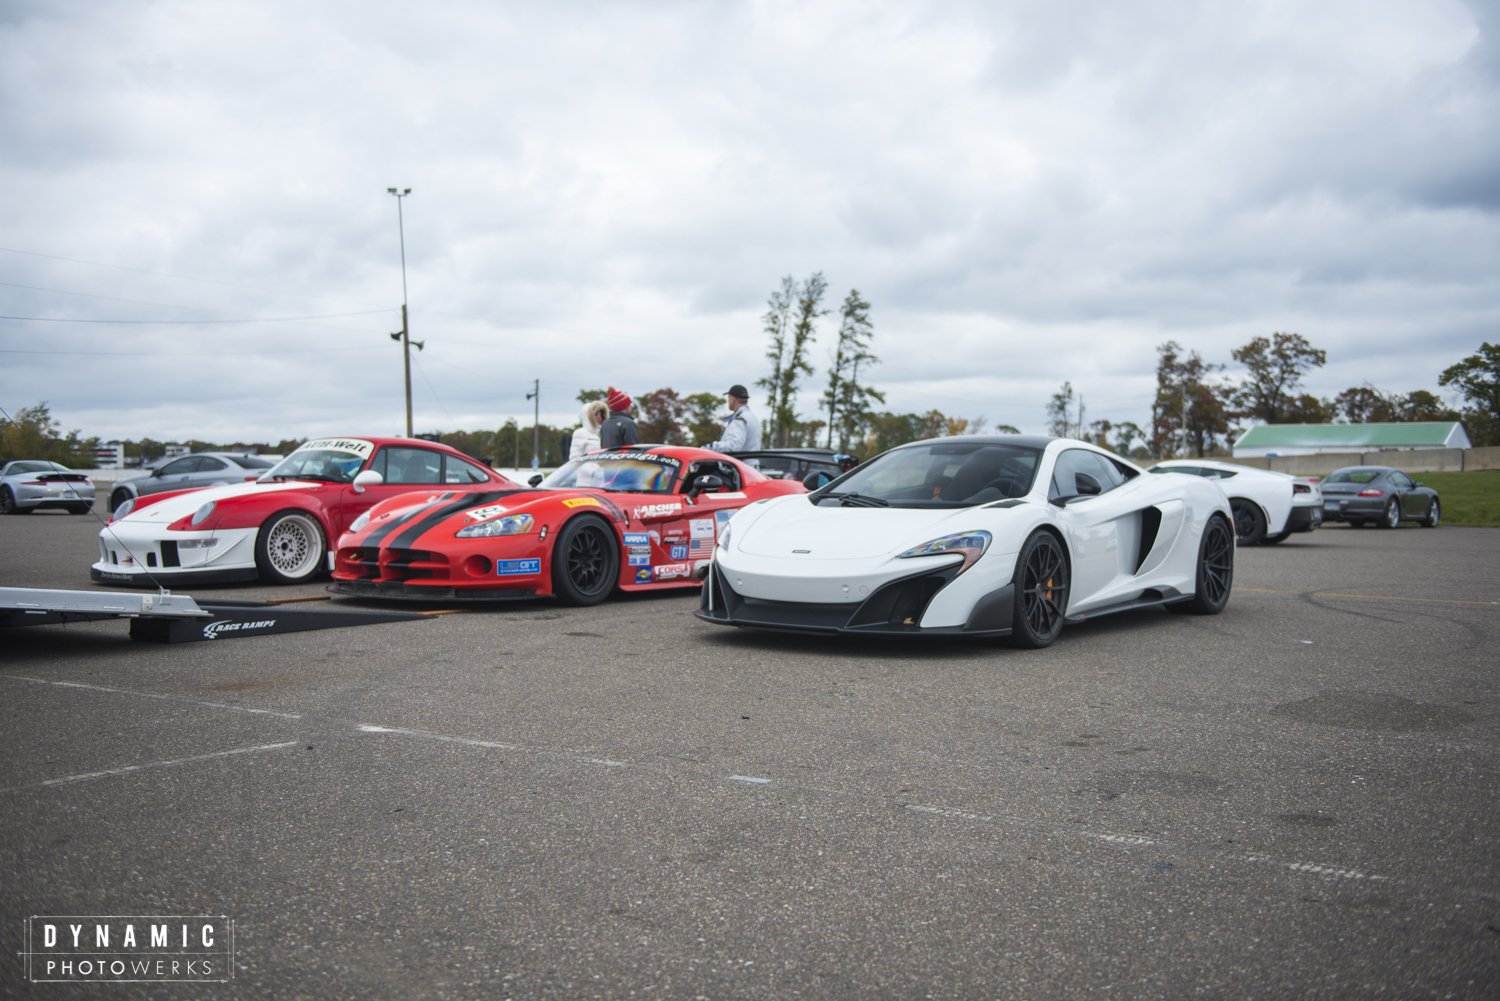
x,y
586,438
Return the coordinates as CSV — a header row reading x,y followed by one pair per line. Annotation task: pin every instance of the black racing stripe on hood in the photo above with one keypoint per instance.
x,y
376,537
434,516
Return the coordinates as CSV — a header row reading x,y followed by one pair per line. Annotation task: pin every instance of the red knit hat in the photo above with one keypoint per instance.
x,y
618,401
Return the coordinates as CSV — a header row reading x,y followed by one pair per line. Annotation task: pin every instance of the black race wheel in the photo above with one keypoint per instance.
x,y
1215,574
1041,589
1391,517
119,497
1431,521
1249,523
585,562
289,548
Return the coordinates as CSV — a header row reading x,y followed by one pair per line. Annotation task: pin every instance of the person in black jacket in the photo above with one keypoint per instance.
x,y
619,427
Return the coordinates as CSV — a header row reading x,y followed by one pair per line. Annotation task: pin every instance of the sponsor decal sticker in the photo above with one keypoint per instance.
x,y
656,511
699,549
481,513
517,568
733,495
665,460
643,560
582,502
720,517
637,539
670,570
679,552
355,445
643,575
702,528
213,629
131,948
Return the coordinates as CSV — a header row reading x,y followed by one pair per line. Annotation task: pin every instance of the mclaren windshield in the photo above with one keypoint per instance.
x,y
637,473
940,475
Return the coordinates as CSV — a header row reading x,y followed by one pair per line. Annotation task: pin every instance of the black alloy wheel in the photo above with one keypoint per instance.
x,y
585,562
1215,575
1431,521
8,502
1041,590
117,498
1392,516
1249,523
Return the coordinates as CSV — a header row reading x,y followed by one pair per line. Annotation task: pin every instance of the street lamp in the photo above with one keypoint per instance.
x,y
404,335
536,424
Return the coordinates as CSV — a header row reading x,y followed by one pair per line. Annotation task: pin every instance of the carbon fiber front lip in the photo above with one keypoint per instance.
x,y
401,591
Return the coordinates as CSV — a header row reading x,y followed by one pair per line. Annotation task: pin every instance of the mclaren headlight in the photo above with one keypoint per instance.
x,y
201,515
971,544
358,525
511,524
724,536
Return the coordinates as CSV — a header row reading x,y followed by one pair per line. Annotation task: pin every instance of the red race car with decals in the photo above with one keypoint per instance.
x,y
277,527
638,518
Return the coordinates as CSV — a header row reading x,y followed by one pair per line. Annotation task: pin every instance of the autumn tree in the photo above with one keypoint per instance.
x,y
1189,411
846,397
705,420
33,433
775,323
662,411
1276,366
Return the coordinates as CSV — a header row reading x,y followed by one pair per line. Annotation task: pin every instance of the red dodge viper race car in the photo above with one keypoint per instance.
x,y
637,518
276,527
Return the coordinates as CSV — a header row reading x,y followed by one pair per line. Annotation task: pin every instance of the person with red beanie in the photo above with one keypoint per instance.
x,y
619,427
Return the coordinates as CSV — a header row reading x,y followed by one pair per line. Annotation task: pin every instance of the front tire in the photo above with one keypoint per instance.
x,y
289,548
1392,516
1249,523
1041,592
1431,521
585,562
1215,577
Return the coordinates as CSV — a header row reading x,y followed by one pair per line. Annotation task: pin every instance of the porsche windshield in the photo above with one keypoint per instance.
x,y
615,473
330,465
945,474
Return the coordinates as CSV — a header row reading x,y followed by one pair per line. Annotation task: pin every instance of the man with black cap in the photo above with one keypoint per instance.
x,y
742,429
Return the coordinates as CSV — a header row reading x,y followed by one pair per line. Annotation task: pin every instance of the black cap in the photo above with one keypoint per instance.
x,y
739,391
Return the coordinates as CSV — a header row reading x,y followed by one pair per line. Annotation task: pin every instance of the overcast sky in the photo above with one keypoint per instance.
x,y
1027,193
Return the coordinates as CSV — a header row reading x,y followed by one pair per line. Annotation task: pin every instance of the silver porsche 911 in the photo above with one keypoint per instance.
x,y
28,485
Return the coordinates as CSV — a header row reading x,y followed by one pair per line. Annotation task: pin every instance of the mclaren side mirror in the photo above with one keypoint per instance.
x,y
1086,484
368,478
816,480
704,484
535,480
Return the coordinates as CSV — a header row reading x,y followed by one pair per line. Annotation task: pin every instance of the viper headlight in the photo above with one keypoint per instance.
x,y
358,525
514,524
971,544
201,515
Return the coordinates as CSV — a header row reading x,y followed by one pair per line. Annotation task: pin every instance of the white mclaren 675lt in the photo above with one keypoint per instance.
x,y
981,535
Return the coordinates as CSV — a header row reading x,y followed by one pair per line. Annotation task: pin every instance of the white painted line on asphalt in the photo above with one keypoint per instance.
x,y
472,742
152,695
747,778
165,763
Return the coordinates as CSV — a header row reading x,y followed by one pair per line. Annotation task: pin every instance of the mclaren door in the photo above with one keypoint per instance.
x,y
1100,511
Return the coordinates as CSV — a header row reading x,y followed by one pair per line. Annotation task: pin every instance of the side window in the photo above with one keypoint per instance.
x,y
1402,480
207,464
179,466
412,465
457,470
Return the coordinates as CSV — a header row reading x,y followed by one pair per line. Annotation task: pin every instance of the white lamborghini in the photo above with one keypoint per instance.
x,y
981,535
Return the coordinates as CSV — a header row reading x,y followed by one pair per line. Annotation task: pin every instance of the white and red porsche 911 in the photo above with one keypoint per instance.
x,y
276,528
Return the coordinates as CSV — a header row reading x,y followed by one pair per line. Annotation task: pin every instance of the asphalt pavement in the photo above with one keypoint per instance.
x,y
1295,798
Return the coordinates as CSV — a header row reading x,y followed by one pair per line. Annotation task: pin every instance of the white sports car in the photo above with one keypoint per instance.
x,y
981,535
1267,506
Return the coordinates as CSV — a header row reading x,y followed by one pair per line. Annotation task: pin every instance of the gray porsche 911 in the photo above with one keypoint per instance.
x,y
1377,494
28,485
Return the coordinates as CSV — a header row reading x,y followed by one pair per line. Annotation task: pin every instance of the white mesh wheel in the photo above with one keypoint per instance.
x,y
289,547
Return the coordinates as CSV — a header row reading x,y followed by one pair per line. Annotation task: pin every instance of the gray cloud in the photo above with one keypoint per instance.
x,y
607,193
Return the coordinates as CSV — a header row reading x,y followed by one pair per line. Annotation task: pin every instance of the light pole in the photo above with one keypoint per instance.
x,y
404,334
536,423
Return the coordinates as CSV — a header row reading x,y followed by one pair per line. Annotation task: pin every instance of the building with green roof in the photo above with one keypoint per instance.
x,y
1313,439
